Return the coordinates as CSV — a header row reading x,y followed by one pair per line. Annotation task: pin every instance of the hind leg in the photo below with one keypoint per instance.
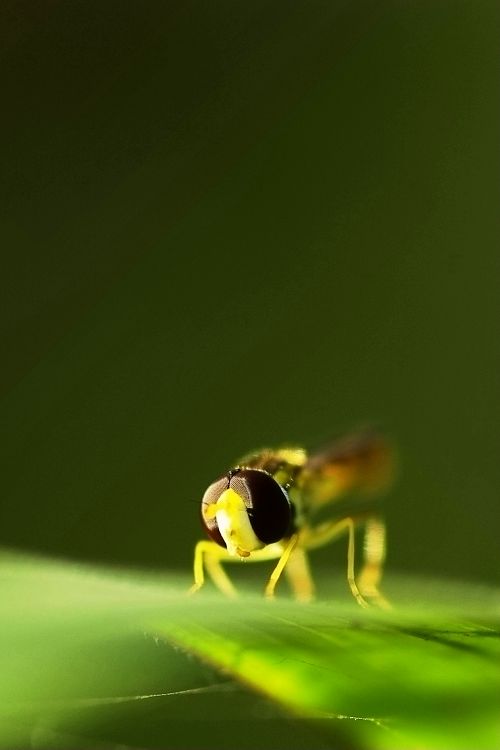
x,y
374,556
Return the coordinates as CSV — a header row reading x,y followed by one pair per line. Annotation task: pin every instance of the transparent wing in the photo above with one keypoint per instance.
x,y
360,464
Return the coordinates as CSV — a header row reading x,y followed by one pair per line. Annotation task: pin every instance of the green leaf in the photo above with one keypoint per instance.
x,y
94,658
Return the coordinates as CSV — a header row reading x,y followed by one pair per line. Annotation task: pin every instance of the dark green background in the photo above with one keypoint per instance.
x,y
231,224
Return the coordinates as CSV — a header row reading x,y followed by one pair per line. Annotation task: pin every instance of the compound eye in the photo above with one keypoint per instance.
x,y
210,497
267,503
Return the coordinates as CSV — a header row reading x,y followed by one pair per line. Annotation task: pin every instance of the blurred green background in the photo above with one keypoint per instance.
x,y
226,225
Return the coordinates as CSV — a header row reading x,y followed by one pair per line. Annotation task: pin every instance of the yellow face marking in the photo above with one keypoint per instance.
x,y
234,525
211,511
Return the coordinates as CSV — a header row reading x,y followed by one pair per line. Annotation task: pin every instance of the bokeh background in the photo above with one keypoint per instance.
x,y
226,225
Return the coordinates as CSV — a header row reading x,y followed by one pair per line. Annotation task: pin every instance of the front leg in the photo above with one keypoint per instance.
x,y
209,555
278,570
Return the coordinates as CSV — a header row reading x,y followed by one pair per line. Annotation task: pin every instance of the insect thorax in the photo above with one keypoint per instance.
x,y
285,466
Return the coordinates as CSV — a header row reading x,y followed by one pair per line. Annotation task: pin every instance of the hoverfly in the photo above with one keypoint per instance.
x,y
278,504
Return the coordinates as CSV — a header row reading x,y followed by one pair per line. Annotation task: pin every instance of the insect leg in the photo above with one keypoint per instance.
x,y
209,554
374,555
299,576
273,580
350,564
326,532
